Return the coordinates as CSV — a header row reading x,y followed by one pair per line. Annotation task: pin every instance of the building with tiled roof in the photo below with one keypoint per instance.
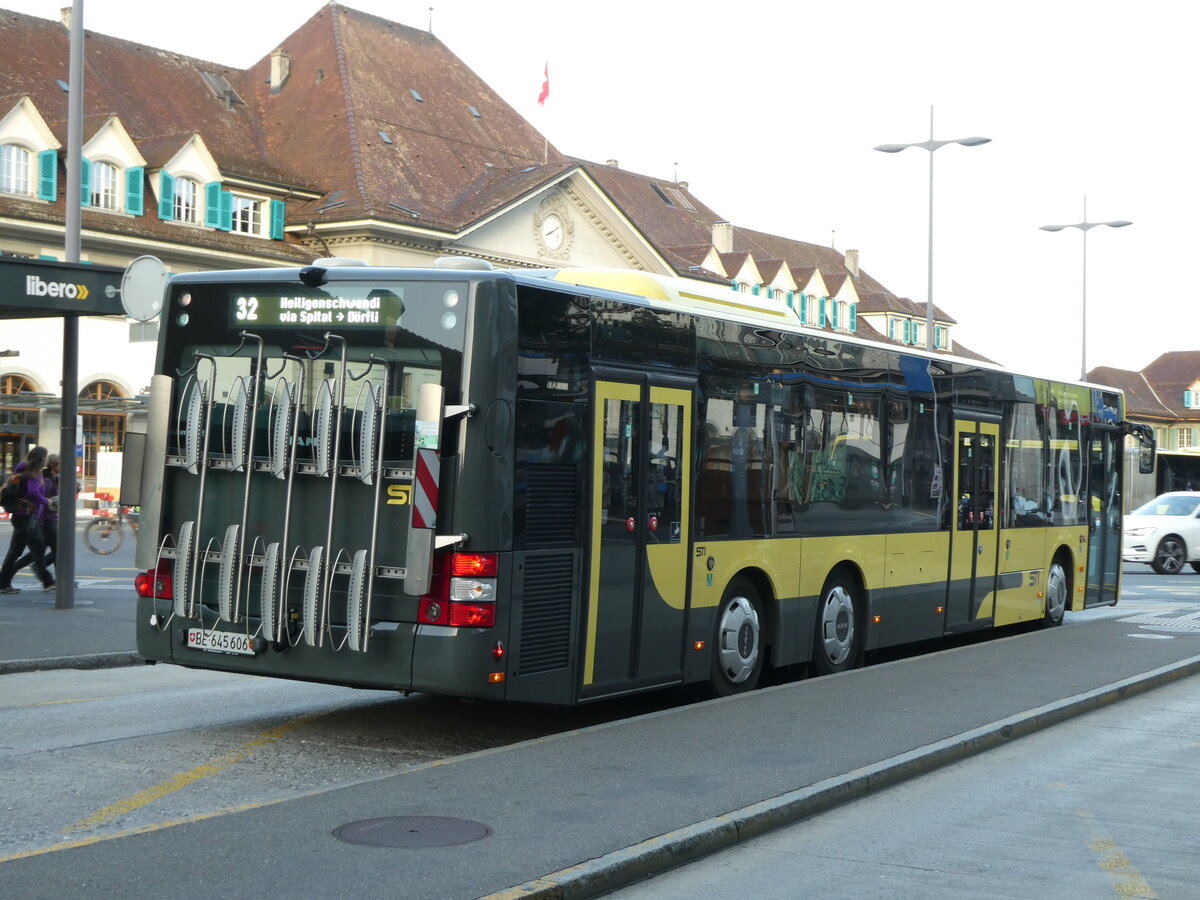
x,y
354,136
1165,395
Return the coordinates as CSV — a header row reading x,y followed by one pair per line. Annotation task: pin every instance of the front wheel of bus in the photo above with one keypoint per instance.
x,y
737,657
835,641
1057,590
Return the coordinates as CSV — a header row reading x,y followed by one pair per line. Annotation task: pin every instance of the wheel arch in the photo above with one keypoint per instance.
x,y
770,602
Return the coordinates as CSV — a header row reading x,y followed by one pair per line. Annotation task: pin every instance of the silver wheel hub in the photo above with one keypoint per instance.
x,y
1170,555
1056,593
837,625
739,638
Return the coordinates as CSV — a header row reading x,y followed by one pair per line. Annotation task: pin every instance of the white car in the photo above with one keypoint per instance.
x,y
1165,533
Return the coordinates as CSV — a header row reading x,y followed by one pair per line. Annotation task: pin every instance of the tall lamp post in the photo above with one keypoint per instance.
x,y
1085,226
931,145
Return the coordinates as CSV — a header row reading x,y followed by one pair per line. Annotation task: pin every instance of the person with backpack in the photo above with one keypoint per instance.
x,y
49,518
27,517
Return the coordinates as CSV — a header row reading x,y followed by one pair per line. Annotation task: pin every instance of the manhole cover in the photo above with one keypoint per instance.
x,y
411,831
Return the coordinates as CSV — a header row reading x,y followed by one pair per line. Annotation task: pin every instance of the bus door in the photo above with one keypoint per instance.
x,y
638,532
1105,458
970,592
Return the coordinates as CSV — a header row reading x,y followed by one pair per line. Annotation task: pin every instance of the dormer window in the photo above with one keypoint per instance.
x,y
14,169
104,185
185,202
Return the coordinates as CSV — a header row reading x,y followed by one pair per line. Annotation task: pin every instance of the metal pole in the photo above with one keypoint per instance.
x,y
64,559
1083,348
929,279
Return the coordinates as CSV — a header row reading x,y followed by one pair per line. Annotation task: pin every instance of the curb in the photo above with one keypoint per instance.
x,y
675,848
83,661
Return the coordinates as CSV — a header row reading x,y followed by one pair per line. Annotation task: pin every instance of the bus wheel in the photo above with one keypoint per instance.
x,y
835,642
1169,557
1057,589
737,657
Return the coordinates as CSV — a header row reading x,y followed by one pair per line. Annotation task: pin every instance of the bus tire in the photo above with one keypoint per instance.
x,y
739,645
1169,556
836,636
1058,589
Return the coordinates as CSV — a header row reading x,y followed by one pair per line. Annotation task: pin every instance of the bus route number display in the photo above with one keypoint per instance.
x,y
378,308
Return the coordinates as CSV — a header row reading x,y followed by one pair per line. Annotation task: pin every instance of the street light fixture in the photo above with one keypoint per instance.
x,y
931,145
1085,226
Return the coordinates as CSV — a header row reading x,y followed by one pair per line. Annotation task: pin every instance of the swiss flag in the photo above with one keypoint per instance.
x,y
545,87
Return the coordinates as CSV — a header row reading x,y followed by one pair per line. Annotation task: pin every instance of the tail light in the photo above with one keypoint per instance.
x,y
462,592
156,583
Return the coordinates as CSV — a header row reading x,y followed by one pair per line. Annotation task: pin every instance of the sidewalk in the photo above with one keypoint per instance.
x,y
97,632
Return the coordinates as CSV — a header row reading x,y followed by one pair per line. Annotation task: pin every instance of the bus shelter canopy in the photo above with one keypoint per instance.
x,y
36,288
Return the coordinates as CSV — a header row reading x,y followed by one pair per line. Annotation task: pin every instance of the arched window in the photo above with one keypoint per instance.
x,y
104,186
15,384
14,169
103,430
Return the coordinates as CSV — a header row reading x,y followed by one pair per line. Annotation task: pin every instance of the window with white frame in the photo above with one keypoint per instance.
x,y
104,186
14,169
842,321
186,201
247,215
1185,438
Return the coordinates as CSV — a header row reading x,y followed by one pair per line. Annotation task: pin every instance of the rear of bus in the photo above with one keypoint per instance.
x,y
307,512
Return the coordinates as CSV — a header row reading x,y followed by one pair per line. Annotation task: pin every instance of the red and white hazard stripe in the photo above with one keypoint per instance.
x,y
425,490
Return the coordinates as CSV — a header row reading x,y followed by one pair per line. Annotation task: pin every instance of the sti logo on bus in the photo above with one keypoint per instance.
x,y
399,494
36,287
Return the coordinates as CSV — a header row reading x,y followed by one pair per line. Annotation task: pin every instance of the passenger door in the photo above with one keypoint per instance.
x,y
1105,458
970,591
639,533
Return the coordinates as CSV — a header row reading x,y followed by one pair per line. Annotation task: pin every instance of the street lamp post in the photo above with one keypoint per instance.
x,y
931,145
1085,226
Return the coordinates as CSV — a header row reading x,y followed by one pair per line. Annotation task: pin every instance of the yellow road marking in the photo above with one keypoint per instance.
x,y
1127,880
136,801
56,702
129,832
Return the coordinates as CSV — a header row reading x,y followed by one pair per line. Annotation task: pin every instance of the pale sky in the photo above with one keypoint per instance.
x,y
770,111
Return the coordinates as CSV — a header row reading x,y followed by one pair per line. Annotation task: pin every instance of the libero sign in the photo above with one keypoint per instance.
x,y
31,288
36,286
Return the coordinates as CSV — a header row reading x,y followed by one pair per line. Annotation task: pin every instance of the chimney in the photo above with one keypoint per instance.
x,y
683,185
852,262
613,163
281,67
723,237
64,16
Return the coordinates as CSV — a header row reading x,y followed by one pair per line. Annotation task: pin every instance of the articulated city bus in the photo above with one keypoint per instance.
x,y
558,486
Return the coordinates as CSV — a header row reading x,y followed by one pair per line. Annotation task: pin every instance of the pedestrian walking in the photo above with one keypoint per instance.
x,y
49,517
27,523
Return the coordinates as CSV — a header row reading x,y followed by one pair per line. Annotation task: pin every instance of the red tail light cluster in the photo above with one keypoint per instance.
x,y
463,591
155,583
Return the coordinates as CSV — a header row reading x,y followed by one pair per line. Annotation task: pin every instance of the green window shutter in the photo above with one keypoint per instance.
x,y
854,317
226,211
754,290
85,182
833,312
134,190
733,284
48,175
891,328
791,300
166,196
277,212
1187,399
821,315
803,308
908,335
212,204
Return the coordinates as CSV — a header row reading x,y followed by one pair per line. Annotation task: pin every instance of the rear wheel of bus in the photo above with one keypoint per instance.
x,y
836,637
738,644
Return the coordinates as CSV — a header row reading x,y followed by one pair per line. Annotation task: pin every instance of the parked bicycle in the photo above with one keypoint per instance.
x,y
106,532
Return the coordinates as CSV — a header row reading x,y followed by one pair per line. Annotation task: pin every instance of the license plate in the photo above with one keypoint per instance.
x,y
219,642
